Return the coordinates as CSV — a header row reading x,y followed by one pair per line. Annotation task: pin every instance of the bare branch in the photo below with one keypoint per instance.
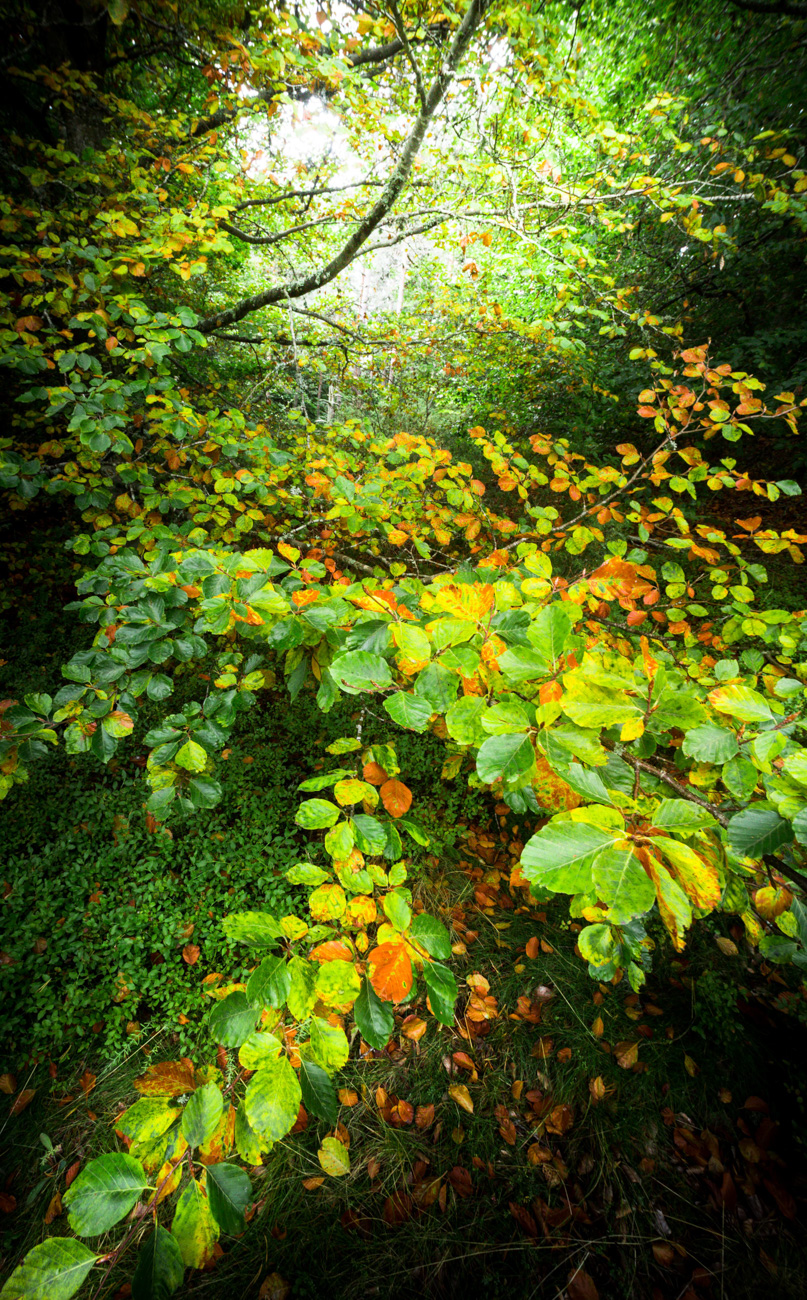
x,y
390,195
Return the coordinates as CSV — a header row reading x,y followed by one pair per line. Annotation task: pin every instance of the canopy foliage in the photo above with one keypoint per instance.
x,y
402,352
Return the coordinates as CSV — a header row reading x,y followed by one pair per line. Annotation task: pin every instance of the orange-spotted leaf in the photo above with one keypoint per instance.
x,y
396,797
390,971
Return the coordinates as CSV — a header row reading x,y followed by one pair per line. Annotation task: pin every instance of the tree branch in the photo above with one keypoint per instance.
x,y
390,195
774,7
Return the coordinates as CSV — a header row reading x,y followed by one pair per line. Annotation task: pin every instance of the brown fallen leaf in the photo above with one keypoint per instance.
x,y
54,1208
460,1180
275,1287
311,1184
8,1084
533,947
397,1209
348,1096
72,1173
692,1068
22,1100
424,1116
87,1082
626,1054
580,1286
8,1203
538,1155
191,953
560,1119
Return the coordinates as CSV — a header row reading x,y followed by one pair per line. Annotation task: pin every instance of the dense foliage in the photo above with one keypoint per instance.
x,y
492,495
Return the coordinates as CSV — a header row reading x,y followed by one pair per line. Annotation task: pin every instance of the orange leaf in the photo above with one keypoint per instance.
x,y
168,1079
8,1203
560,1119
331,950
390,971
424,1116
190,953
374,774
396,798
533,947
87,1082
8,1084
348,1096
72,1173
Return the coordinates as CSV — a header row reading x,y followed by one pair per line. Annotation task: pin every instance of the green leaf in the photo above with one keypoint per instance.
x,y
229,1192
325,779
248,1144
147,1119
317,814
202,1112
104,1193
192,757
682,816
410,711
549,631
373,1017
740,777
463,720
53,1270
160,1269
259,928
742,703
443,991
596,943
432,935
337,983
371,835
302,993
397,910
560,856
273,1099
622,882
710,744
359,671
754,832
204,791
319,1095
599,707
334,1157
505,757
233,1019
270,983
305,873
329,1045
194,1227
259,1049
523,665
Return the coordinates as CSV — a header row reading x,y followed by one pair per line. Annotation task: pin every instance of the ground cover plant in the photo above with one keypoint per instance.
x,y
404,527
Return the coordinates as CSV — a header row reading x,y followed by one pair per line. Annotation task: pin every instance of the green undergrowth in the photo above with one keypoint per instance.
x,y
97,919
618,1165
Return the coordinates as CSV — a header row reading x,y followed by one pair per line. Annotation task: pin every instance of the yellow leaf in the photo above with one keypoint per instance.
x,y
632,729
460,1094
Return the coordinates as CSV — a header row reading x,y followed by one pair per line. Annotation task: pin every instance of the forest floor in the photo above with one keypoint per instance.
x,y
564,1139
